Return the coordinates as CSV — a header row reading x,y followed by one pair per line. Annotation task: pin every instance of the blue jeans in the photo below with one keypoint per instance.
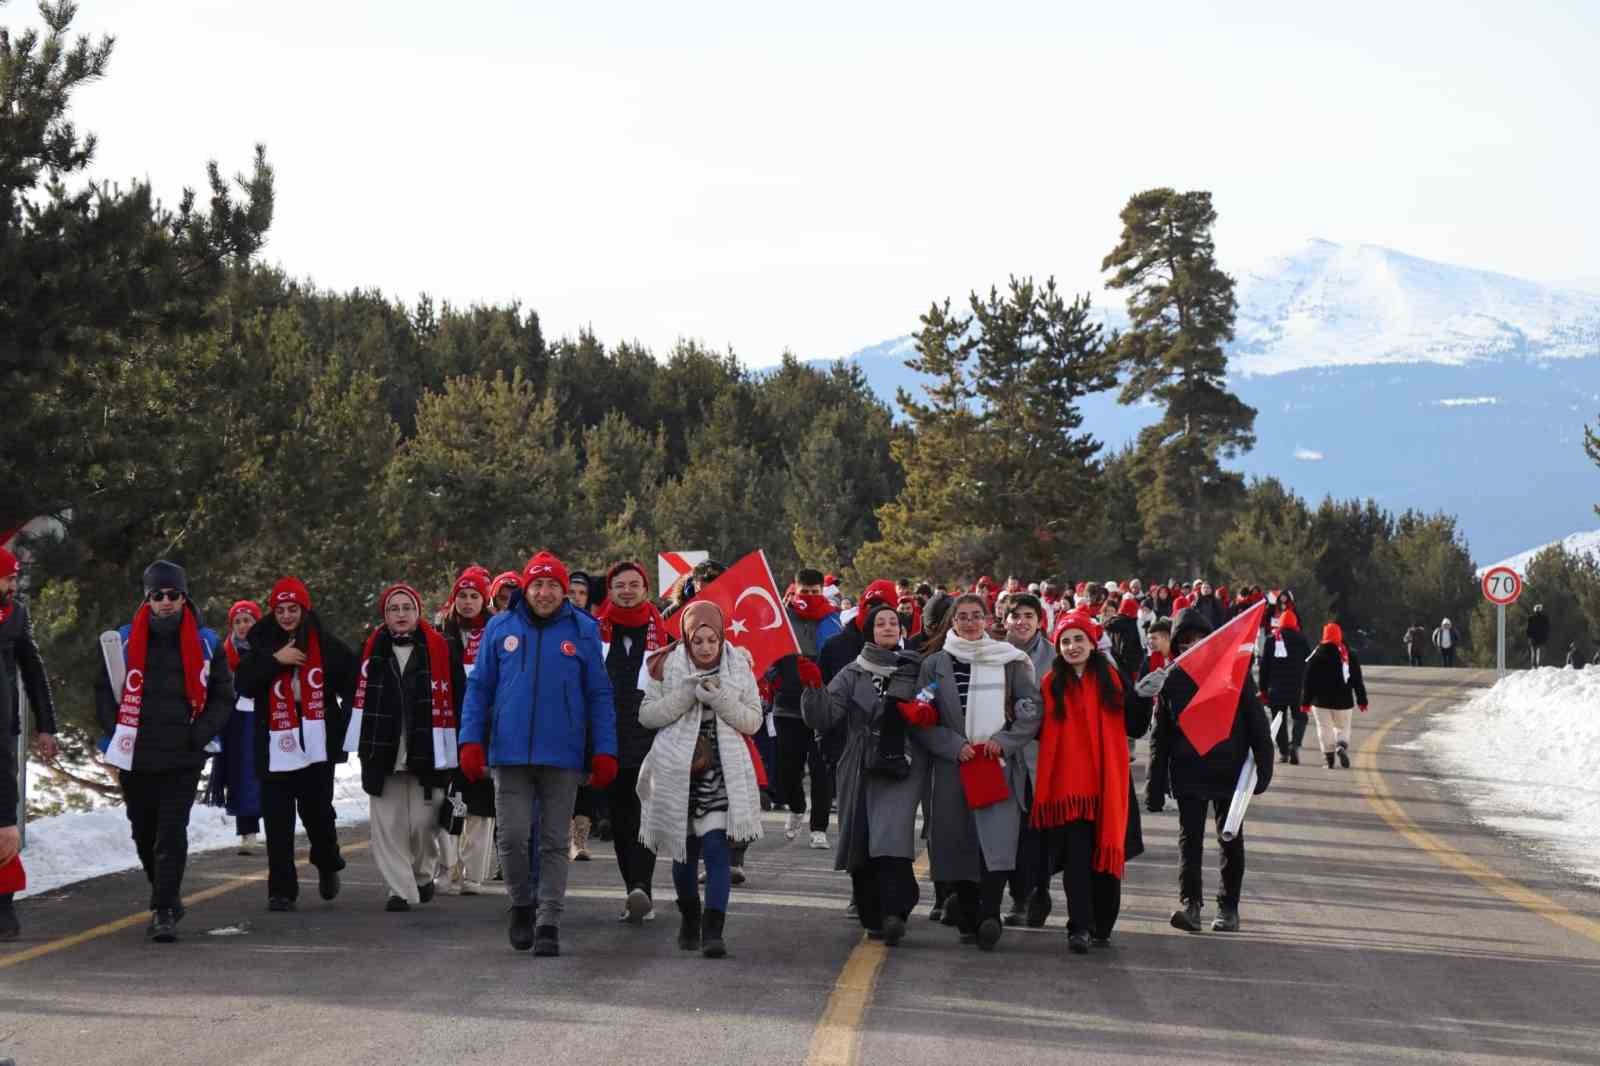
x,y
719,883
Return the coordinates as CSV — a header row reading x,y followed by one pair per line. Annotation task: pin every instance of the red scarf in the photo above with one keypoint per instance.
x,y
810,608
1157,661
230,651
611,614
298,740
439,684
1083,768
193,653
472,637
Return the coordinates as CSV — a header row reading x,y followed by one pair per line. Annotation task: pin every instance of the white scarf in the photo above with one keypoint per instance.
x,y
986,687
664,778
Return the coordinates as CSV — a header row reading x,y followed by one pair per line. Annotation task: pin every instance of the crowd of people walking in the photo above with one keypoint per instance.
x,y
993,726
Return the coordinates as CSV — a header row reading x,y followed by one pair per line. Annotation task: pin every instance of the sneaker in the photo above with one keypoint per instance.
x,y
1187,919
1078,943
894,930
546,942
164,926
1329,757
471,888
396,904
1344,755
1098,941
937,914
791,825
247,844
819,840
280,903
425,892
1039,907
636,906
519,927
1015,917
452,887
736,875
1226,921
989,931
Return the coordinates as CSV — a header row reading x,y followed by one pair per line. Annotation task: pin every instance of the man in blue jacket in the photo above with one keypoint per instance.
x,y
539,712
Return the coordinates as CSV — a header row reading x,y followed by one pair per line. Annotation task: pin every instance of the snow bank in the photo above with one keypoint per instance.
x,y
82,844
1528,755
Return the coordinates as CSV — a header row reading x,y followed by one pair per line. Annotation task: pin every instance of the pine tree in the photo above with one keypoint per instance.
x,y
1272,544
1181,312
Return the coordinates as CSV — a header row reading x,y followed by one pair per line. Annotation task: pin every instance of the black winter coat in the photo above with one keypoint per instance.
x,y
19,654
1283,676
402,699
1325,685
1126,649
258,670
168,739
1538,628
478,795
1176,768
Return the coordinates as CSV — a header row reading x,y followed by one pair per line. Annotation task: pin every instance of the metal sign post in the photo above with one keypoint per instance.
x,y
1502,586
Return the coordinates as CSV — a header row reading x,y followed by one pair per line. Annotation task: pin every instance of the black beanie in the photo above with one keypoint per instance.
x,y
164,575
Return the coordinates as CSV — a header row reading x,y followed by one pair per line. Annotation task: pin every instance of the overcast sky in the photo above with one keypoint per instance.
x,y
810,177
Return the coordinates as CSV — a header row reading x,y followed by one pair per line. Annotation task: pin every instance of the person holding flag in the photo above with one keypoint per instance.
x,y
1207,723
1333,686
175,695
300,678
540,711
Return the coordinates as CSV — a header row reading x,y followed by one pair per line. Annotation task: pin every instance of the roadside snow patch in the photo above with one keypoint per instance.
x,y
1526,755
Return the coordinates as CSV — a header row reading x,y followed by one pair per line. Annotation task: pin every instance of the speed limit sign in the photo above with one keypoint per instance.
x,y
1502,586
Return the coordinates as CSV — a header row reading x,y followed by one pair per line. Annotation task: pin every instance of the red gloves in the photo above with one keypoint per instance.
x,y
810,673
1363,708
917,713
474,763
602,771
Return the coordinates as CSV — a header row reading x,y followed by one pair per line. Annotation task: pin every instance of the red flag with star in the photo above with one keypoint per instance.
x,y
1204,685
752,608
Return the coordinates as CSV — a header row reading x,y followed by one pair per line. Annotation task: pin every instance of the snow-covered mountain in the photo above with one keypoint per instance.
x,y
1418,384
1328,304
1584,543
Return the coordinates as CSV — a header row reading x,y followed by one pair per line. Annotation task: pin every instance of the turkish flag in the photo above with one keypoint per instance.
x,y
12,876
1203,686
753,612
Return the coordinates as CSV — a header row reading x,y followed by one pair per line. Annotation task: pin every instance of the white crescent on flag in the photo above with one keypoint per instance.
x,y
757,590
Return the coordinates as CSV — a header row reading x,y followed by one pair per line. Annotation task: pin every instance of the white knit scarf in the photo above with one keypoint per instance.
x,y
986,688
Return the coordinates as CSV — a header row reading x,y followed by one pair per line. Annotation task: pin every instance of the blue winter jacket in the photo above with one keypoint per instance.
x,y
540,695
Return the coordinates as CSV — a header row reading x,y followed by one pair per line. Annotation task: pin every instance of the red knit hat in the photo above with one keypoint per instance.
x,y
1129,607
545,564
8,564
501,581
475,578
1332,634
1289,620
288,590
249,607
1076,620
881,591
396,589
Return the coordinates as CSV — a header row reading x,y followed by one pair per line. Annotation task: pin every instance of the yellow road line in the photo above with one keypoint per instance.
x,y
50,947
1383,801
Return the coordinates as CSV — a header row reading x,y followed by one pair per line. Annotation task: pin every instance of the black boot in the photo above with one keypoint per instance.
x,y
894,929
10,928
1294,756
1078,943
1227,920
1017,915
1344,755
520,927
989,931
1329,757
711,945
1039,906
547,942
164,928
328,884
689,925
1187,919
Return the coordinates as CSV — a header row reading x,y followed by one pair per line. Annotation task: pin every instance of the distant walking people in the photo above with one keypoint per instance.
x,y
1538,635
1333,686
1446,640
1416,640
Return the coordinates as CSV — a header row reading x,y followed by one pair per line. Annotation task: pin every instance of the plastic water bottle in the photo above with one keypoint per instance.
x,y
928,692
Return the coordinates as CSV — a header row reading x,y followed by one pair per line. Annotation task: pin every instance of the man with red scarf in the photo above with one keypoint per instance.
x,y
815,623
301,678
630,629
174,697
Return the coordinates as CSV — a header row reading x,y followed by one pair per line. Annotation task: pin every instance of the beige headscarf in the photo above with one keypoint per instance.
x,y
702,613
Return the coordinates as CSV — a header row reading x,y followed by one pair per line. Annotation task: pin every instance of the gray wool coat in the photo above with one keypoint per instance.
x,y
877,815
956,832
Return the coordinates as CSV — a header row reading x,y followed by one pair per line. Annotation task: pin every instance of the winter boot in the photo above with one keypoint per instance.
x,y
689,925
328,884
1329,756
10,928
1344,754
711,945
1187,919
1039,906
546,942
989,931
520,927
1294,756
580,839
894,929
1078,943
1227,919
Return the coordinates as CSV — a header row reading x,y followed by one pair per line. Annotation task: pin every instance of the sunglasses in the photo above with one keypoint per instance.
x,y
169,595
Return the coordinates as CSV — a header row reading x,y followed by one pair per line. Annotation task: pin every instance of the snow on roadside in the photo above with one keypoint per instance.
x,y
1527,753
78,845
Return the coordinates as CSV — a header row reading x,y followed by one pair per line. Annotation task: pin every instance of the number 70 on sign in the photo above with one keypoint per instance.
x,y
1502,586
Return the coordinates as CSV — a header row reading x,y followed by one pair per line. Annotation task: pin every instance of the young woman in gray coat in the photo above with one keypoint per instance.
x,y
980,684
877,813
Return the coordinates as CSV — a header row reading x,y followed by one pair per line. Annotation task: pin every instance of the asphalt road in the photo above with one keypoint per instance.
x,y
1380,925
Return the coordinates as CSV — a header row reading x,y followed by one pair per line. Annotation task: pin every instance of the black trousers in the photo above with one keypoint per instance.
x,y
1292,730
1033,865
310,793
979,900
883,887
636,862
158,806
247,824
797,749
1094,900
1191,836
